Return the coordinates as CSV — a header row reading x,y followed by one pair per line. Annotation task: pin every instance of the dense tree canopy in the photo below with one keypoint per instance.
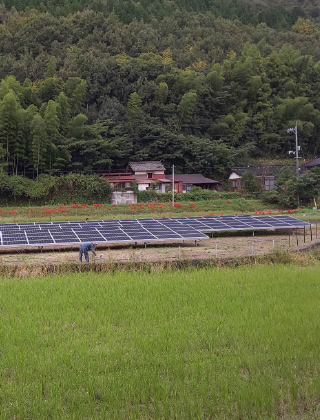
x,y
203,85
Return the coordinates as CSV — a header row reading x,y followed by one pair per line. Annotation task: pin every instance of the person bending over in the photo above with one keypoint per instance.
x,y
84,250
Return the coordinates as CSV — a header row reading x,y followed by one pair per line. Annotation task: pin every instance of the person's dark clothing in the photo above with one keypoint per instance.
x,y
84,250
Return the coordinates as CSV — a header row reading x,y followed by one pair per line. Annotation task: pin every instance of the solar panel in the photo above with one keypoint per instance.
x,y
137,230
244,222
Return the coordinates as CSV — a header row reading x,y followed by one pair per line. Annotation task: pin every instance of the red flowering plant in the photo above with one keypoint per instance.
x,y
48,211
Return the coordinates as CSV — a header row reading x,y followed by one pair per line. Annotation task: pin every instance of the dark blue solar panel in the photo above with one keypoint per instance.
x,y
13,234
60,236
14,242
159,229
138,230
40,241
117,237
111,229
40,238
171,235
89,235
141,236
85,231
66,240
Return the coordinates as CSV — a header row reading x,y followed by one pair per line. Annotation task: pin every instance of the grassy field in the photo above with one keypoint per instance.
x,y
107,211
195,344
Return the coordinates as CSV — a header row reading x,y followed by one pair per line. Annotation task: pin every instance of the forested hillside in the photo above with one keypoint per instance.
x,y
201,84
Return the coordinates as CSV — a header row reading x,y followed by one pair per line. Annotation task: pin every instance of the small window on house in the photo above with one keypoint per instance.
x,y
120,185
149,175
186,187
269,183
234,183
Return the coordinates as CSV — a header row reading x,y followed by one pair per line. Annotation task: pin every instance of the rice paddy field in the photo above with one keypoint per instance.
x,y
210,343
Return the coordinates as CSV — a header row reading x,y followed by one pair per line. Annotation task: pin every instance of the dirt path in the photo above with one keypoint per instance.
x,y
219,247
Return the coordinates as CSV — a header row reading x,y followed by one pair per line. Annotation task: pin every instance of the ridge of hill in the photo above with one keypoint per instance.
x,y
275,13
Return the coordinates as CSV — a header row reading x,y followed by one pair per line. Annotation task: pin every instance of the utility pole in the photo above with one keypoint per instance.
x,y
172,185
295,131
297,149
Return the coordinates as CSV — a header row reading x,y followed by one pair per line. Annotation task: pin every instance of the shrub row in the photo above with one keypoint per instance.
x,y
196,194
50,189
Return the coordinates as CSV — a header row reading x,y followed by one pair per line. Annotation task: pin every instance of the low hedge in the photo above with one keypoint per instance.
x,y
50,189
196,194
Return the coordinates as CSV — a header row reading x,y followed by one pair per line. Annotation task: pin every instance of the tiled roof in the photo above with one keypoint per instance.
x,y
193,179
152,165
313,162
267,170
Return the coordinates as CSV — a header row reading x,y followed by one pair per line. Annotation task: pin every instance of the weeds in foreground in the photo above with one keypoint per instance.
x,y
135,263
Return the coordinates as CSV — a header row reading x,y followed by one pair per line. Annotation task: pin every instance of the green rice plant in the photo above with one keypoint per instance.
x,y
178,344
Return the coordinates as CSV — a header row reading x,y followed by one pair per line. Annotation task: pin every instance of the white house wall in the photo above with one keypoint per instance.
x,y
234,176
143,187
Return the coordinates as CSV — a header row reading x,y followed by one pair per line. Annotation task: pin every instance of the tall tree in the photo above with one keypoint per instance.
x,y
76,90
63,112
51,67
186,109
10,129
39,142
52,127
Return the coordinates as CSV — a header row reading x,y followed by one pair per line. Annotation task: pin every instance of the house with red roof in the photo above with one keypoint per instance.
x,y
151,175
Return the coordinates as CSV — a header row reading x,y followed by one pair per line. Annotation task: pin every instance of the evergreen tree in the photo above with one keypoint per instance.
x,y
51,68
134,109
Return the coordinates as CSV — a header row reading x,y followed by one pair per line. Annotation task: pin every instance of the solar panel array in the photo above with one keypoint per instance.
x,y
242,222
138,230
104,231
